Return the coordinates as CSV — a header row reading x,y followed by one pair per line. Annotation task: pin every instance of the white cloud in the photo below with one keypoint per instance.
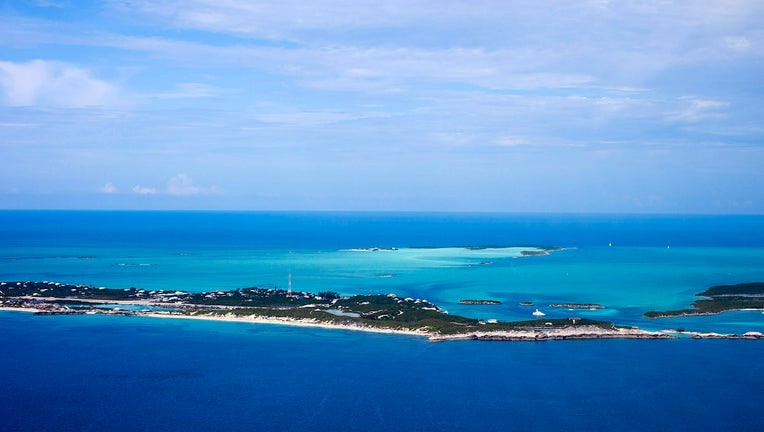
x,y
737,43
109,188
51,83
141,190
510,142
508,45
286,18
182,184
278,18
179,185
695,110
380,68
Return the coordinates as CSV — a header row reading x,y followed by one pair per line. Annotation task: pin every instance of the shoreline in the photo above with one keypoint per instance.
x,y
284,321
568,333
372,313
699,313
524,335
18,309
249,320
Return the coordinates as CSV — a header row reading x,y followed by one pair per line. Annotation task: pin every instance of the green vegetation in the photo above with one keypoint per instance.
x,y
534,252
329,295
245,297
743,289
251,297
479,302
721,298
432,322
377,311
577,305
58,290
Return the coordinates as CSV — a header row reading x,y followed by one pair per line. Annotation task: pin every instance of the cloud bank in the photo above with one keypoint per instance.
x,y
565,106
52,84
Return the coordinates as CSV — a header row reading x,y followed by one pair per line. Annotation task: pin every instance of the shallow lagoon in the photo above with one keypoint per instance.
x,y
628,281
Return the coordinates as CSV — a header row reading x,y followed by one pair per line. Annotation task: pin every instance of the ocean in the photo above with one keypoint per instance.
x,y
131,373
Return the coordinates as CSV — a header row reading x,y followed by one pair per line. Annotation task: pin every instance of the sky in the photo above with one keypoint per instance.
x,y
403,105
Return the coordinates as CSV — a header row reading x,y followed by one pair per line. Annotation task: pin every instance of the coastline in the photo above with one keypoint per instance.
x,y
568,333
376,313
702,313
720,299
249,320
525,335
285,321
18,309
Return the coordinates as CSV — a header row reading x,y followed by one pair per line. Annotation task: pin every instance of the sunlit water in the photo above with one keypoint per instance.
x,y
631,270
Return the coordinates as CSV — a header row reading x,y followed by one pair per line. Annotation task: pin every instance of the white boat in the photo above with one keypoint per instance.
x,y
538,313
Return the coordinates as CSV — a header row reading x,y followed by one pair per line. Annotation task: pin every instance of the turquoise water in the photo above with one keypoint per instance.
x,y
112,373
210,251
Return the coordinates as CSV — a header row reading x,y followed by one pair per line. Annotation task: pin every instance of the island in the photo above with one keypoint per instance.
x,y
479,302
721,298
577,305
370,249
541,252
376,313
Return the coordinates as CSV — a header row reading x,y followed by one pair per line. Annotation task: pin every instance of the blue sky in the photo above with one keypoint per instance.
x,y
565,106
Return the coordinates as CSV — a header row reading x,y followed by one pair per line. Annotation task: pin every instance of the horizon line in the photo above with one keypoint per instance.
x,y
357,211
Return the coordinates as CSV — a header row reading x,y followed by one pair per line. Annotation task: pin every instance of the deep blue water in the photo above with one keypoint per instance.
x,y
111,373
105,373
344,230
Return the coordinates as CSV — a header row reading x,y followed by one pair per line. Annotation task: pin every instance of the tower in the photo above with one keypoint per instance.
x,y
289,286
